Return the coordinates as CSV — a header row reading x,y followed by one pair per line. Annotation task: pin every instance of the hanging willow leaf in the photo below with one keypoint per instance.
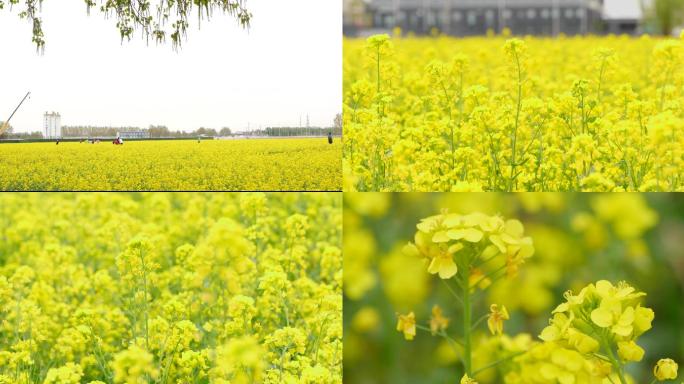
x,y
158,20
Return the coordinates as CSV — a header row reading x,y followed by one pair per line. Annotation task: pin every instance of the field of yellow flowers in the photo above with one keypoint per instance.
x,y
220,165
170,288
514,114
513,288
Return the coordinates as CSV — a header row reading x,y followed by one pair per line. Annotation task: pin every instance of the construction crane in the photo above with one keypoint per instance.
x,y
5,125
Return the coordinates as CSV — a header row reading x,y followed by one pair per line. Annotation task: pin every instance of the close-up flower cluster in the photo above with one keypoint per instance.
x,y
513,288
513,114
108,288
211,165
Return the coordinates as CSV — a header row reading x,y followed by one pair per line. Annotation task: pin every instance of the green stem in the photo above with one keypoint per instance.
x,y
441,334
467,346
146,308
614,361
517,122
456,296
479,321
497,362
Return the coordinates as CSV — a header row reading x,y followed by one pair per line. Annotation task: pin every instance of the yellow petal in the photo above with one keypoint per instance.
x,y
601,317
496,240
470,234
410,249
440,237
448,269
550,333
514,228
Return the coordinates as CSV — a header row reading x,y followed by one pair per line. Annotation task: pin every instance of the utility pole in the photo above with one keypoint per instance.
x,y
446,18
502,19
583,21
555,15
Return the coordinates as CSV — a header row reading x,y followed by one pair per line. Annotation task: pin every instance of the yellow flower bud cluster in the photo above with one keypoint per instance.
x,y
282,164
450,241
122,288
513,114
601,316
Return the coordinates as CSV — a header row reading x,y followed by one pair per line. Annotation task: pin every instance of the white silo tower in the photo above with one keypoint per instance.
x,y
52,125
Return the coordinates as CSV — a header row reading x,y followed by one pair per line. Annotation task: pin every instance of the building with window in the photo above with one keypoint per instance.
x,y
622,16
476,17
52,125
134,134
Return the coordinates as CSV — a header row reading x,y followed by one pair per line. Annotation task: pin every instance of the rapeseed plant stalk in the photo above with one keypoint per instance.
x,y
171,288
533,115
213,165
591,337
473,251
515,49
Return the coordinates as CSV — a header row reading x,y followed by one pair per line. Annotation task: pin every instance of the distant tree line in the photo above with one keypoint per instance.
x,y
10,134
295,131
336,130
160,131
155,131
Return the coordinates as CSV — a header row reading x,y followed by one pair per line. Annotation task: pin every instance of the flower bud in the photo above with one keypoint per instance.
x,y
665,369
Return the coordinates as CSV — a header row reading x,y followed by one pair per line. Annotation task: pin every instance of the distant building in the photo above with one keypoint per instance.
x,y
622,16
355,19
52,125
476,17
134,134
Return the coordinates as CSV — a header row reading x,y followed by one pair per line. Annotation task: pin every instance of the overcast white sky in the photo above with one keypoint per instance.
x,y
286,65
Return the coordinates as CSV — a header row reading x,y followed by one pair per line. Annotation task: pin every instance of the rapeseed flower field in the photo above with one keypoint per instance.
x,y
170,288
220,165
497,288
513,114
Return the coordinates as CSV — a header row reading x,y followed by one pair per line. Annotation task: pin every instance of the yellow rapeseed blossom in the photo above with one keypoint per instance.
x,y
68,374
134,366
513,114
129,288
438,322
215,165
407,325
467,380
665,369
496,318
449,242
601,318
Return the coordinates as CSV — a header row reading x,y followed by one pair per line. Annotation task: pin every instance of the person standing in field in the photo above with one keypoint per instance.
x,y
330,139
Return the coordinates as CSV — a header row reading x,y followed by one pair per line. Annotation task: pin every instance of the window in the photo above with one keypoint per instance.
x,y
389,21
545,13
431,19
457,16
472,18
531,13
507,13
443,18
489,16
569,13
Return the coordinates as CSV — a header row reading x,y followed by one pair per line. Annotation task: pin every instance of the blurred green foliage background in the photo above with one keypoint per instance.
x,y
578,239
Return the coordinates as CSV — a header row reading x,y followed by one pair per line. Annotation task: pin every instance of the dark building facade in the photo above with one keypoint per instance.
x,y
476,17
